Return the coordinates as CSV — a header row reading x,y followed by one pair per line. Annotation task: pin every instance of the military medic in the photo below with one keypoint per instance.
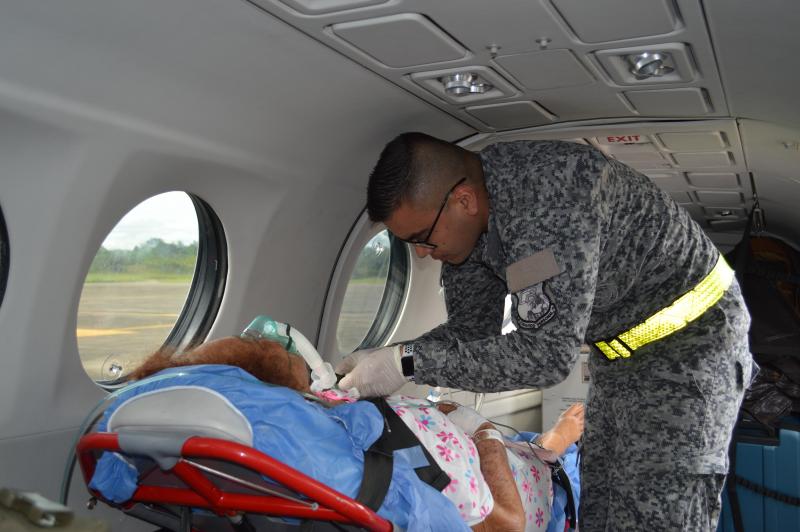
x,y
591,252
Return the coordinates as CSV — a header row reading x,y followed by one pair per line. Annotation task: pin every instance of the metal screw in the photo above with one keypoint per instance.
x,y
543,42
493,49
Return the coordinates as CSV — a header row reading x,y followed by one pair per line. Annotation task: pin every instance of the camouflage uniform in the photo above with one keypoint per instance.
x,y
589,248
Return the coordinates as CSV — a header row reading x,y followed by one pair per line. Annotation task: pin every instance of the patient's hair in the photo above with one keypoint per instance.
x,y
266,360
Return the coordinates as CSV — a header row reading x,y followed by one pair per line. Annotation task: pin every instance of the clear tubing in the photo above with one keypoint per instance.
x,y
322,374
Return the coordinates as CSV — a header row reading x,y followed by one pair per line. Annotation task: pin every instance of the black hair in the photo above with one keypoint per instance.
x,y
410,165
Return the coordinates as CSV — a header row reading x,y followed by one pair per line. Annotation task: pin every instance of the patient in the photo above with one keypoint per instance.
x,y
495,485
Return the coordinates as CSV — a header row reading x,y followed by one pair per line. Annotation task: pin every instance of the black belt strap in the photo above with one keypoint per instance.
x,y
379,459
561,478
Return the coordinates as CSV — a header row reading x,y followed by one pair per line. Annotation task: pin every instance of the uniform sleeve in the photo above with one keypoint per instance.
x,y
474,299
551,315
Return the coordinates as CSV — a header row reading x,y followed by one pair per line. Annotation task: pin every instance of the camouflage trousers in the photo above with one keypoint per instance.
x,y
659,424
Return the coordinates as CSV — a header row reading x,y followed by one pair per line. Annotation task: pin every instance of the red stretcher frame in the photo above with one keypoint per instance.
x,y
203,493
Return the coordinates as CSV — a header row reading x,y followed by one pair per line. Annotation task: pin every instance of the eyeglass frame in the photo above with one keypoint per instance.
x,y
424,242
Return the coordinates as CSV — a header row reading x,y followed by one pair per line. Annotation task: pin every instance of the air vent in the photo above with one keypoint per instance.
x,y
646,65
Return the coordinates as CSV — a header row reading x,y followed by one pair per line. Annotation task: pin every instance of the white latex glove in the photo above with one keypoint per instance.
x,y
467,419
373,372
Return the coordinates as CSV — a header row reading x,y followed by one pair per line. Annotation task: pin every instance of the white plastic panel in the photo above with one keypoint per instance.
x,y
402,40
511,115
703,160
722,198
549,69
669,102
635,156
681,197
319,7
612,20
694,141
672,182
708,180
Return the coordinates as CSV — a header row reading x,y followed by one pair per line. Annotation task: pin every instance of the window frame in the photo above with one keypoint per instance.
x,y
5,256
208,281
394,292
393,298
204,298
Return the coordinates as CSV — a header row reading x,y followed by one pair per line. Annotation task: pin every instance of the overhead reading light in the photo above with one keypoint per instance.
x,y
650,65
464,83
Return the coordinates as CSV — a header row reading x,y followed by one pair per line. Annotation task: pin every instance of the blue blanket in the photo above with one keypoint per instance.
x,y
326,444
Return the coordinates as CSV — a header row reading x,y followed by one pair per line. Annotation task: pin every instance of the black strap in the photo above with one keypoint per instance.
x,y
561,478
377,477
767,492
379,459
743,250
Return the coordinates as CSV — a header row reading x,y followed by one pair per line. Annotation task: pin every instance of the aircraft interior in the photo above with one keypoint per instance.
x,y
227,144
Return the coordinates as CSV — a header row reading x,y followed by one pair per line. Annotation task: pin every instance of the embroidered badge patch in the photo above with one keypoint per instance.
x,y
534,307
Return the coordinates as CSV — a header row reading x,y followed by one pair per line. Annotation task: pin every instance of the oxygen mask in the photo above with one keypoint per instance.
x,y
322,374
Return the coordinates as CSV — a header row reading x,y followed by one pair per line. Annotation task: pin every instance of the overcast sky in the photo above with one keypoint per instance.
x,y
169,216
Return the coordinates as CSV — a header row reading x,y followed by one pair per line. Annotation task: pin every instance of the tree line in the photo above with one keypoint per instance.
x,y
159,260
154,259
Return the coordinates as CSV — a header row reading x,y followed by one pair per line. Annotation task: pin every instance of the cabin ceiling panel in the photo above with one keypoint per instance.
x,y
511,115
546,69
318,7
670,102
622,19
423,42
575,59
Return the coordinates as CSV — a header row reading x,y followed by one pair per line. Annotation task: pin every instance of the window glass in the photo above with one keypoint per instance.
x,y
137,285
364,292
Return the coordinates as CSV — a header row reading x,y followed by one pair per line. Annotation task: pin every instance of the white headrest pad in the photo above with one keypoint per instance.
x,y
183,409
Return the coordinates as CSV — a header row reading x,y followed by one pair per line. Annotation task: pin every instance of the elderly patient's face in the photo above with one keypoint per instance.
x,y
264,359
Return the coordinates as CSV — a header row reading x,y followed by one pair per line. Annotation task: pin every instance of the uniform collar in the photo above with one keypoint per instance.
x,y
491,245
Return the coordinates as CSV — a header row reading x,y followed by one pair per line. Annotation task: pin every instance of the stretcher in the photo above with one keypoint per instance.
x,y
295,496
194,465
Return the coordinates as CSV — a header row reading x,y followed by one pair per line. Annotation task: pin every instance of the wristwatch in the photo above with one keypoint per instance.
x,y
407,361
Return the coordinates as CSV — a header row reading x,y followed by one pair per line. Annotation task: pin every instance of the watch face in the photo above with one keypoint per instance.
x,y
407,365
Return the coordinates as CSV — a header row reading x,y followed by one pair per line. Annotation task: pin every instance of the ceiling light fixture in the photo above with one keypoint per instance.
x,y
464,83
650,64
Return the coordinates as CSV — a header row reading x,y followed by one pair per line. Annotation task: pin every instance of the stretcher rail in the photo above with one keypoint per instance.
x,y
201,492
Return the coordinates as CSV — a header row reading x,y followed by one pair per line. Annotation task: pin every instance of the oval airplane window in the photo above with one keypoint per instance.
x,y
364,294
156,281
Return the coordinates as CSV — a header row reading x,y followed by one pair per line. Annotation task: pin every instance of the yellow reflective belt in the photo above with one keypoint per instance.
x,y
684,310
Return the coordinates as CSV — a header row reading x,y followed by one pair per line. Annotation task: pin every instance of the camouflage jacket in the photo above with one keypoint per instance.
x,y
586,246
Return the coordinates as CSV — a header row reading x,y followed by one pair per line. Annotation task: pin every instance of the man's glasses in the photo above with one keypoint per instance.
x,y
424,242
